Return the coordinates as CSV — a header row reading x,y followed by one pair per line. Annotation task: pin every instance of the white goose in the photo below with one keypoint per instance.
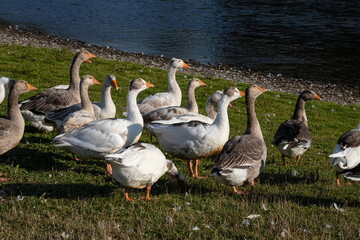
x,y
102,137
164,99
104,109
167,113
346,155
51,99
193,140
243,157
4,83
140,165
86,113
211,102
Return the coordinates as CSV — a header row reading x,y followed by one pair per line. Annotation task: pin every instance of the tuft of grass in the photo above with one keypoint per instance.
x,y
51,196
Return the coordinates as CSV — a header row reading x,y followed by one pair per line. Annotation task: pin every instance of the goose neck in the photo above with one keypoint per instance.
x,y
210,109
252,125
75,74
85,100
13,110
222,118
133,112
191,100
299,112
106,99
173,86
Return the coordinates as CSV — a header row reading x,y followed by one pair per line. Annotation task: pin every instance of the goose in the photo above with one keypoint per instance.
x,y
165,99
104,109
106,136
211,102
292,138
12,128
346,155
86,112
243,157
140,165
35,108
5,82
172,111
194,140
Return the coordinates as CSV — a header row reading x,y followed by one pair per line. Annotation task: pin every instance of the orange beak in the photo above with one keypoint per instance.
x,y
316,96
30,87
114,84
186,66
202,83
96,82
91,55
88,61
149,85
242,93
263,89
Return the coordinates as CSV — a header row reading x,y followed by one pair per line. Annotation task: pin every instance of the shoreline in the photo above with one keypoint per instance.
x,y
343,94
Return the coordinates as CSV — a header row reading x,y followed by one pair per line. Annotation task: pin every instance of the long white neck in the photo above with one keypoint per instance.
x,y
2,92
106,99
133,112
173,86
222,118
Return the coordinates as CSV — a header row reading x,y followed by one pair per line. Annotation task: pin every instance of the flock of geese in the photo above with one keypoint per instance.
x,y
90,130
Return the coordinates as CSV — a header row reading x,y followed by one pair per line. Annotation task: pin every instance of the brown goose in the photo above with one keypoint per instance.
x,y
293,137
86,113
12,128
346,155
173,111
243,157
35,108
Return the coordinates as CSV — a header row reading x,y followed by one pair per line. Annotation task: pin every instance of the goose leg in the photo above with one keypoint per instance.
x,y
147,195
127,198
190,167
108,170
2,179
252,183
237,191
337,178
196,173
283,159
297,160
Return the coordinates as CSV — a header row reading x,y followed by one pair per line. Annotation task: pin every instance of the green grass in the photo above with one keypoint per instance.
x,y
51,196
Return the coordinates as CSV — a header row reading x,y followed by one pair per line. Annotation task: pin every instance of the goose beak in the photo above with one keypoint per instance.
x,y
186,66
88,61
202,83
263,89
96,82
30,87
316,96
149,85
114,84
241,93
91,55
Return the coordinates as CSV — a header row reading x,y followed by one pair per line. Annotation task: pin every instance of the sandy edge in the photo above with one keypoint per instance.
x,y
343,94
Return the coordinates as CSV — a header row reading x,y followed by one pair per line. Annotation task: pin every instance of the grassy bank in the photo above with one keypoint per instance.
x,y
51,196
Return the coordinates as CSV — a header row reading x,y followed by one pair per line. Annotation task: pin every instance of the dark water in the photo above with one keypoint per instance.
x,y
315,40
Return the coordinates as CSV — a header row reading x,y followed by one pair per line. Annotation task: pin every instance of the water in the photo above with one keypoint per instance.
x,y
314,40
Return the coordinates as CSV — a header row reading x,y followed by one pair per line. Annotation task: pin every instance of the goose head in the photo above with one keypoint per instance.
x,y
232,93
84,55
175,178
178,63
254,91
110,80
195,82
21,86
89,80
139,85
309,95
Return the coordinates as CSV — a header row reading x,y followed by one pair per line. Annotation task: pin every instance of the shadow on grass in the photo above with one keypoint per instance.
x,y
58,191
289,176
